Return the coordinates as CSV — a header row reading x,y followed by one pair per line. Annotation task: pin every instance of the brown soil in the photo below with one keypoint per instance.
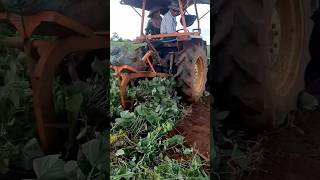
x,y
293,153
195,127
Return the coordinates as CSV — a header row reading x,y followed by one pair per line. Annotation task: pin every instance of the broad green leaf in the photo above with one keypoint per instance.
x,y
95,151
31,151
120,152
187,151
73,104
177,139
80,175
156,176
307,101
84,165
49,167
81,86
126,114
71,169
175,108
154,90
15,99
10,76
141,110
98,66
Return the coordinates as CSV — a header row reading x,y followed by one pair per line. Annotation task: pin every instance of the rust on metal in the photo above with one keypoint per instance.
x,y
172,35
182,16
142,17
146,59
197,14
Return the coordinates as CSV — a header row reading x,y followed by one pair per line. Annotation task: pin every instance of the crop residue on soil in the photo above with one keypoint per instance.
x,y
195,127
293,153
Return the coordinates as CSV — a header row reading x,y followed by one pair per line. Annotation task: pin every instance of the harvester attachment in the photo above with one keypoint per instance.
x,y
44,58
127,73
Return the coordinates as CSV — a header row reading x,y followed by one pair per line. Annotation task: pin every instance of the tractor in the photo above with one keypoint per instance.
x,y
182,55
74,36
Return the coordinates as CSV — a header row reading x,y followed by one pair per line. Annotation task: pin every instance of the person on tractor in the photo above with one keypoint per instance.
x,y
154,24
169,23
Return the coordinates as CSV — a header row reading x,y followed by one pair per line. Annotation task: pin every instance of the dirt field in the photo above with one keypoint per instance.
x,y
196,128
293,153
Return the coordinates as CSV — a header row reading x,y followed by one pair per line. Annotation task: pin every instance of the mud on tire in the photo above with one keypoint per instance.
x,y
191,72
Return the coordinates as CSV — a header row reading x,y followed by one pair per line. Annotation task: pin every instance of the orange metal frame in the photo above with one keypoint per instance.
x,y
181,36
127,73
43,72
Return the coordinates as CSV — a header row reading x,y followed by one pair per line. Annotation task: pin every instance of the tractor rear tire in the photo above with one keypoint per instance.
x,y
275,93
192,71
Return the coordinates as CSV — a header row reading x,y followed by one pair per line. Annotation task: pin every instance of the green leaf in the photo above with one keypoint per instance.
x,y
120,152
187,151
73,104
71,169
177,139
126,114
31,151
15,99
49,167
80,175
10,76
98,66
154,90
307,101
141,110
161,88
95,151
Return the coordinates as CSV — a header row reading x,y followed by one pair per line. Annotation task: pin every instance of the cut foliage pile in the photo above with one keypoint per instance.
x,y
139,138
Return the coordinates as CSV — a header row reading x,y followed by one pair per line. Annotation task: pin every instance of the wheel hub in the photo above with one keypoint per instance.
x,y
287,46
198,74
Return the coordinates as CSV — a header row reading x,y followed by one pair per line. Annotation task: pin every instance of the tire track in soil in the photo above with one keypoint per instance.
x,y
292,154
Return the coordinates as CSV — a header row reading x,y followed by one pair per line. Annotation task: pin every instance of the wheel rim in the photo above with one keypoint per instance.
x,y
198,75
287,46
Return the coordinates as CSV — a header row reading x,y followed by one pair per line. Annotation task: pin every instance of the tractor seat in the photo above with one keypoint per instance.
x,y
164,42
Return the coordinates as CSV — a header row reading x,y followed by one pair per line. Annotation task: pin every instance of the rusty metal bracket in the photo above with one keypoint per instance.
x,y
51,53
130,74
